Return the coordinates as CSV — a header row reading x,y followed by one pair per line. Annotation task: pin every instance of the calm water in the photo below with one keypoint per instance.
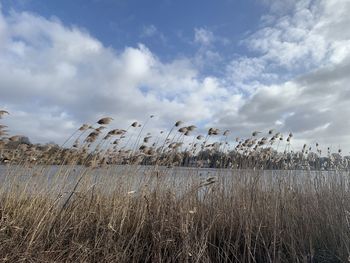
x,y
62,179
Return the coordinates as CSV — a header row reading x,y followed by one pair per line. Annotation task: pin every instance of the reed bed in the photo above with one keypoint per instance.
x,y
104,204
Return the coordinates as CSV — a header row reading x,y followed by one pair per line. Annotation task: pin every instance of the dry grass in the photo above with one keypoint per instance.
x,y
124,214
246,216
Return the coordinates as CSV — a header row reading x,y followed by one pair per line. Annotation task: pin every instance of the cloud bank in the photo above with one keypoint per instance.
x,y
53,77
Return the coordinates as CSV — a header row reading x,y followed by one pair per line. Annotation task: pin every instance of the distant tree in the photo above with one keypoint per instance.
x,y
24,140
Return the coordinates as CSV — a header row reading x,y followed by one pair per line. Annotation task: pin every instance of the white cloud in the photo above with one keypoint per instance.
x,y
311,35
207,38
203,36
149,31
54,77
305,51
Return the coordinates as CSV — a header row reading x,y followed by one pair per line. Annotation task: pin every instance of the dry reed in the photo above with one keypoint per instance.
x,y
132,213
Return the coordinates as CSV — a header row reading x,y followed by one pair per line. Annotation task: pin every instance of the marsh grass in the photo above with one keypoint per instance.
x,y
246,216
130,213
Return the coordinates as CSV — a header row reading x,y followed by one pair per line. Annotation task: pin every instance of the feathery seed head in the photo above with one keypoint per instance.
x,y
183,130
106,120
255,133
191,127
178,123
84,127
3,112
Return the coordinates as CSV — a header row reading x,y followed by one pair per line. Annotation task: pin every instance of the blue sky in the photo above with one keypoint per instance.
x,y
165,26
237,65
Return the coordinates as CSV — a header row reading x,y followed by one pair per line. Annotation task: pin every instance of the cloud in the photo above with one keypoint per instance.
x,y
149,31
282,6
206,37
54,77
203,36
313,34
299,80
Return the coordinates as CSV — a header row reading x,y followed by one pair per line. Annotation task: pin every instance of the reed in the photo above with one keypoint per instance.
x,y
129,207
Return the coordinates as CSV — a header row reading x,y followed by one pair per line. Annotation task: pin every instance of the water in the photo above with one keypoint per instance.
x,y
124,178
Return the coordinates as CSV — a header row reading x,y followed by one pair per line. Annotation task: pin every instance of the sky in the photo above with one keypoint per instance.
x,y
242,65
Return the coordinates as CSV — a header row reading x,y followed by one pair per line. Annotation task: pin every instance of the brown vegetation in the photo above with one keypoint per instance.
x,y
109,214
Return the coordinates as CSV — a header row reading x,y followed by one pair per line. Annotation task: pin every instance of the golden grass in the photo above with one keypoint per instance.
x,y
248,216
108,213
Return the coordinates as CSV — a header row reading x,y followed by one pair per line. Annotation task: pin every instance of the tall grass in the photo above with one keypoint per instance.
x,y
244,216
133,213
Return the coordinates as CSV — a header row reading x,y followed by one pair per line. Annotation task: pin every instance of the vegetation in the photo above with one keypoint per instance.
x,y
98,212
96,146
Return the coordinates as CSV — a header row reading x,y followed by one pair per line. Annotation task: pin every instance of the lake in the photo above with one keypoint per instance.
x,y
131,178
